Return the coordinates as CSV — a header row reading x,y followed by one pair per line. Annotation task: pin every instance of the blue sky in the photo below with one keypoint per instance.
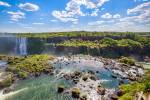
x,y
74,15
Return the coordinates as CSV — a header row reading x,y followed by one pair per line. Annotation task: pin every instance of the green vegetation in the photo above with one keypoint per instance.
x,y
83,34
6,79
106,42
78,43
127,60
29,65
110,46
131,89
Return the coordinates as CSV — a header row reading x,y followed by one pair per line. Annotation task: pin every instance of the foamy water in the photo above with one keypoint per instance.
x,y
5,96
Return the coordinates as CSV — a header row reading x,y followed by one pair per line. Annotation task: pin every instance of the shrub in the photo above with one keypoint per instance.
x,y
147,86
127,60
22,75
34,64
108,42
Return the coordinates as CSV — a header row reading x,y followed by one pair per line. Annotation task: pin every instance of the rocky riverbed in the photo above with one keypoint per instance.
x,y
85,74
92,78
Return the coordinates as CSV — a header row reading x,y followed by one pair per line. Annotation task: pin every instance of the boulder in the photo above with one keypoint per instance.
x,y
120,93
113,76
66,76
75,81
97,71
147,59
101,90
75,92
6,79
84,78
121,82
60,89
93,77
83,97
7,90
91,72
114,97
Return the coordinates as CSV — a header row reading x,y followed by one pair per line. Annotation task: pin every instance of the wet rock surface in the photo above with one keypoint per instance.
x,y
6,79
86,78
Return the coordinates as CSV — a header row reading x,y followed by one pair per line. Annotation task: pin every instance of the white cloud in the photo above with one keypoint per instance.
x,y
142,8
95,23
95,12
28,27
29,7
109,16
101,2
118,26
16,16
63,16
137,19
53,20
4,4
38,23
73,9
140,13
116,16
106,16
102,22
139,0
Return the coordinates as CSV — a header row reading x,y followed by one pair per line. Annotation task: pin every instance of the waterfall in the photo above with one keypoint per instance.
x,y
23,46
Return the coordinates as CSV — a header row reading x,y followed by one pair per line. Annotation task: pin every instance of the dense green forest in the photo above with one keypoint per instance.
x,y
83,34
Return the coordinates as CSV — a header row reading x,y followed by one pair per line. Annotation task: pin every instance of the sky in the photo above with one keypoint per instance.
x,y
74,15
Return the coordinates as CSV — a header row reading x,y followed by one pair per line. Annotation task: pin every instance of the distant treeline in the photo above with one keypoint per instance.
x,y
81,34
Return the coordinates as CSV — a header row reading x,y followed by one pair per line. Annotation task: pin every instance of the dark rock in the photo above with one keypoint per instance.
x,y
114,97
91,72
75,92
114,76
93,77
84,78
121,82
101,90
97,71
37,74
147,59
99,86
77,73
48,70
120,93
60,89
67,77
131,78
83,97
75,81
7,90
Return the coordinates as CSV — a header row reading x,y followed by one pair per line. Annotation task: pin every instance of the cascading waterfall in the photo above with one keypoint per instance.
x,y
21,46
